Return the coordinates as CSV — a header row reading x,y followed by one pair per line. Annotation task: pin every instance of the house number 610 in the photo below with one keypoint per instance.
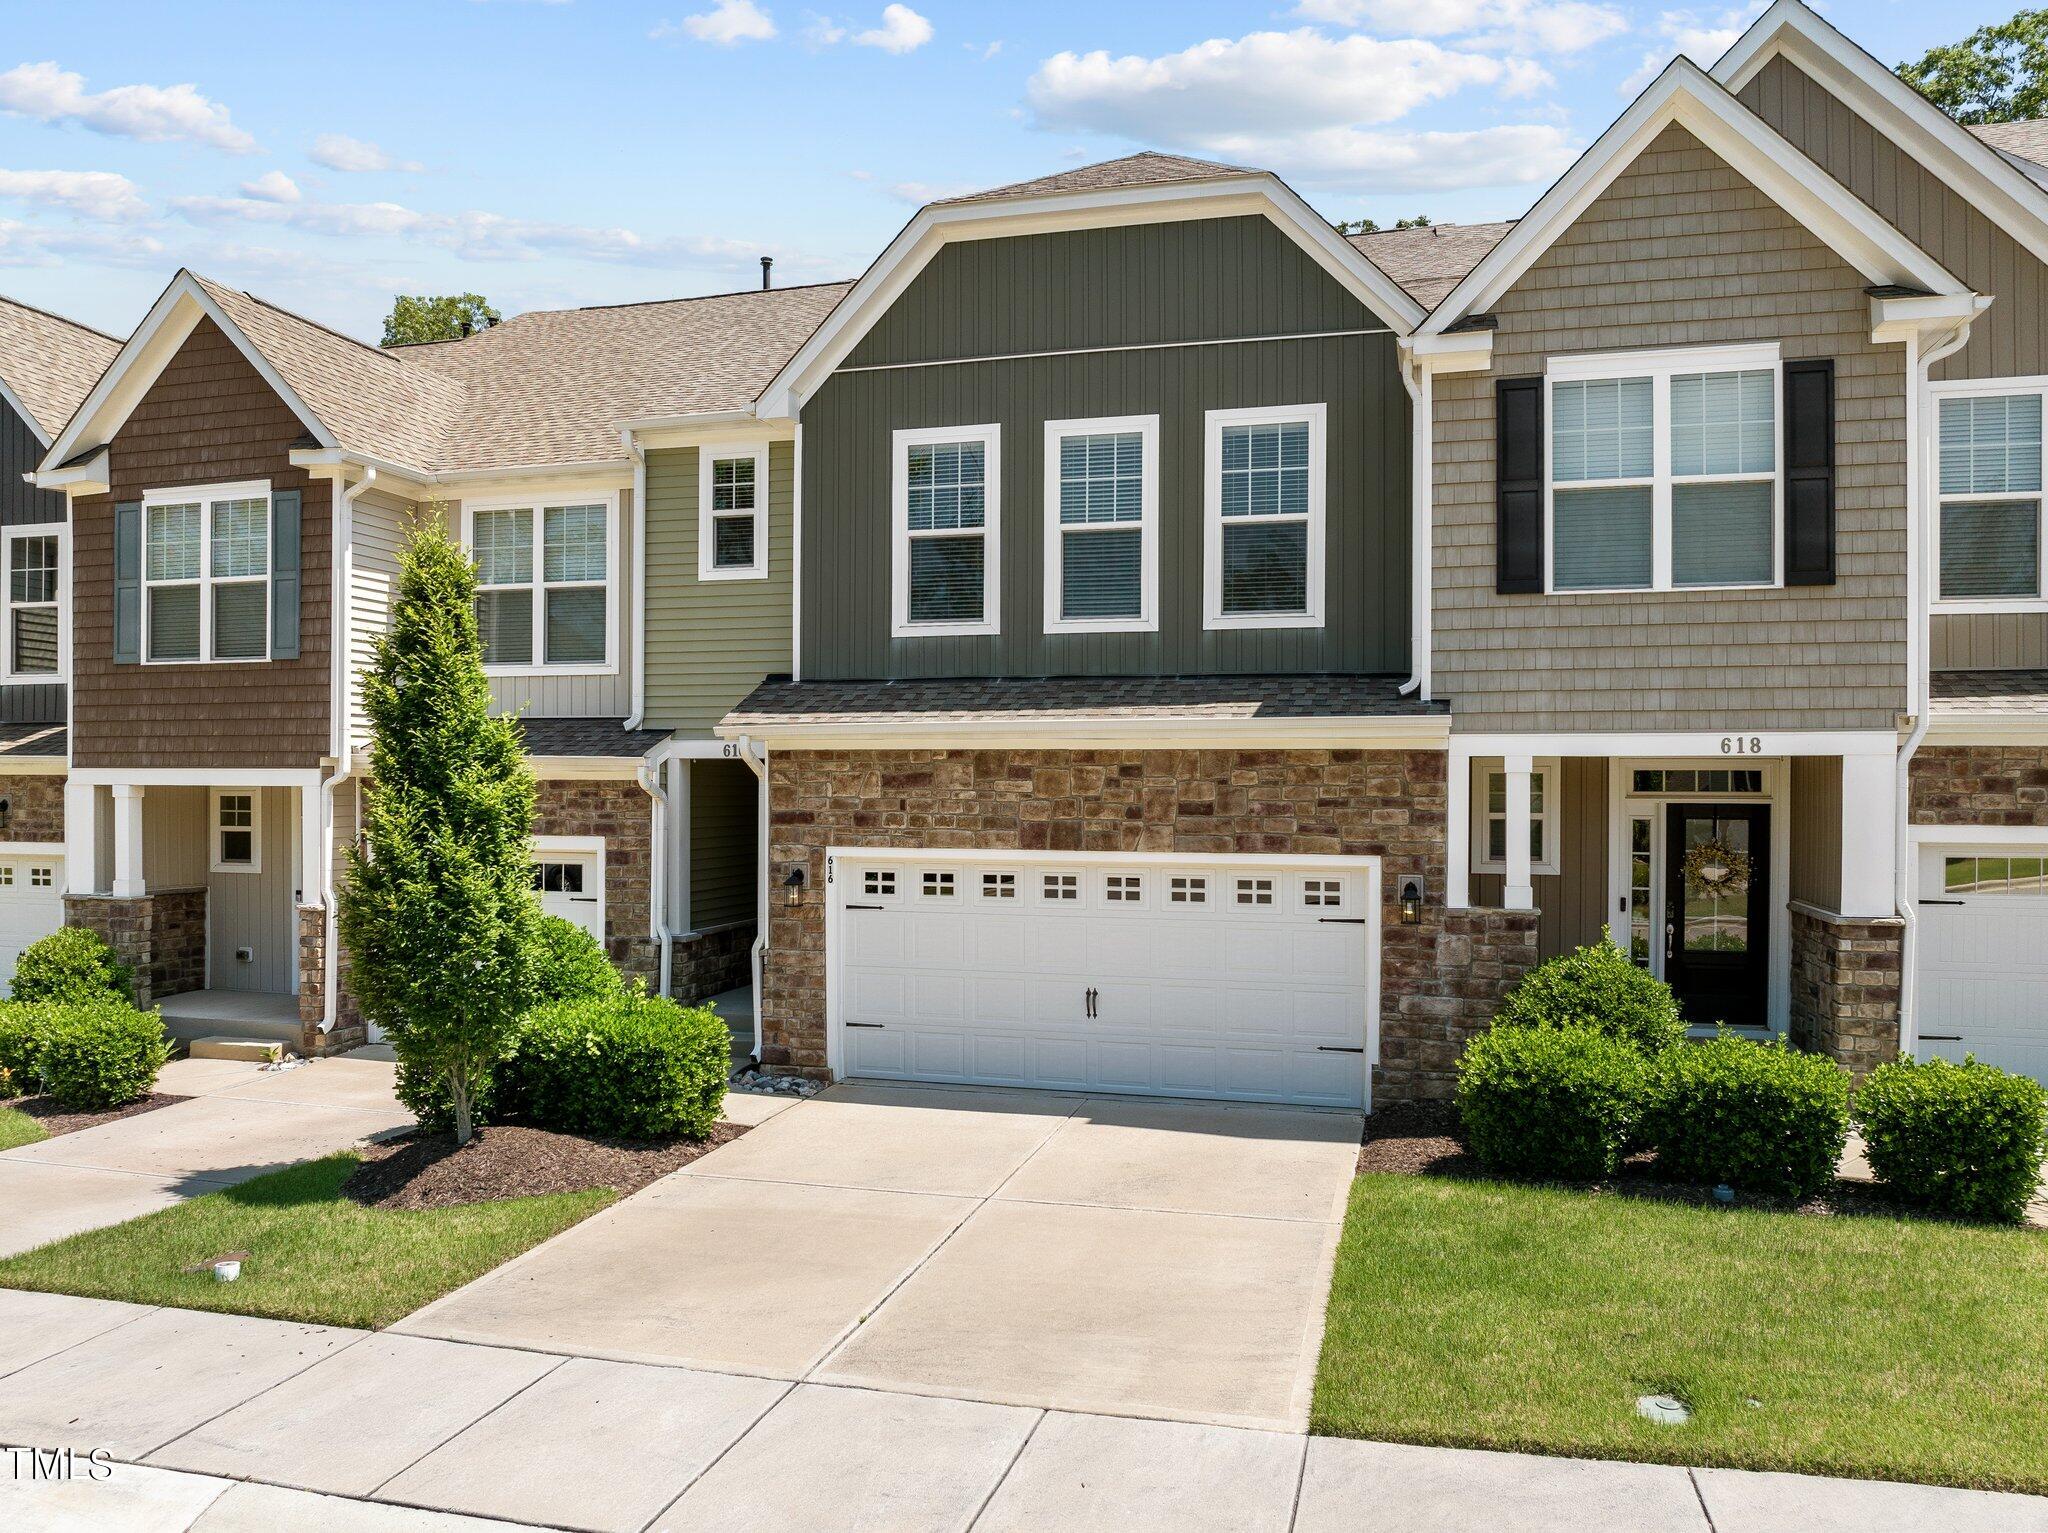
x,y
1742,745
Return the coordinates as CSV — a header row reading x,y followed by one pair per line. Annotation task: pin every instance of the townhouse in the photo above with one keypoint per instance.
x,y
1136,638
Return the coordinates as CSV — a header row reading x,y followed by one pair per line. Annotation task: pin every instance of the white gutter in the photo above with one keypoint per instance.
x,y
755,756
796,560
338,641
1919,577
638,595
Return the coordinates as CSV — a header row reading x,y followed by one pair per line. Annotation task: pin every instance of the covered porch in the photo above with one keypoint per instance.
x,y
1752,872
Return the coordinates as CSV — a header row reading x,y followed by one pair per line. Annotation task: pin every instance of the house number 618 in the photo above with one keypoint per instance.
x,y
1742,745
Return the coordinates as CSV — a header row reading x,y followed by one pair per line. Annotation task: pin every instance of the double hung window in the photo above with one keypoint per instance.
x,y
205,573
1990,489
946,563
1102,525
543,596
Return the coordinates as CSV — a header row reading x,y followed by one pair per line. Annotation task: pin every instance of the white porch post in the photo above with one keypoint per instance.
x,y
1520,890
1457,828
313,835
1869,819
127,840
81,839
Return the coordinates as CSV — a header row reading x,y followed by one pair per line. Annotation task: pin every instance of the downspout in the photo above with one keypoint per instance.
x,y
756,758
1418,381
638,617
650,772
1919,574
344,752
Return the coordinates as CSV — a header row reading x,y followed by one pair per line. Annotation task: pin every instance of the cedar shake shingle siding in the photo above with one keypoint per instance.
x,y
1680,250
2009,341
208,419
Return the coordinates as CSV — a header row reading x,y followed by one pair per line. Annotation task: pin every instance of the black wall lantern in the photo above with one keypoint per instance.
x,y
793,888
1411,900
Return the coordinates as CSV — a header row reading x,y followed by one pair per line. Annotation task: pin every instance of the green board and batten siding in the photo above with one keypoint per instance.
x,y
1136,291
722,844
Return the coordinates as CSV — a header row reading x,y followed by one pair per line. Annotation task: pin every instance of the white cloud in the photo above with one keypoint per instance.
x,y
1372,160
1701,36
95,194
1548,26
1262,84
918,193
272,186
902,31
37,245
823,31
727,23
151,113
337,151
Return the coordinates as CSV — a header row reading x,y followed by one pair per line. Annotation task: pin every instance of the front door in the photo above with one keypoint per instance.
x,y
1717,925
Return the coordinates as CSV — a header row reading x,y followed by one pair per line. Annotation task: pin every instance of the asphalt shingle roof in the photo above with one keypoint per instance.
x,y
50,363
2023,140
1428,263
38,740
2014,692
587,737
1148,168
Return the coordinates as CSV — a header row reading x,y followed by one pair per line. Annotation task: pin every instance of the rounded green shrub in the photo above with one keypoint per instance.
x,y
1962,1139
1598,987
72,964
572,966
633,1067
1558,1102
102,1055
1759,1116
22,1028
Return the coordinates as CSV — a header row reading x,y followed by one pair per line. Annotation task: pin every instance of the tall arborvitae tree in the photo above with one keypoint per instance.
x,y
439,912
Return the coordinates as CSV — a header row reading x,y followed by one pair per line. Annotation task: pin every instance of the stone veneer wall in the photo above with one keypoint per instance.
x,y
1440,979
349,1030
619,810
711,964
162,933
1980,785
35,809
1846,976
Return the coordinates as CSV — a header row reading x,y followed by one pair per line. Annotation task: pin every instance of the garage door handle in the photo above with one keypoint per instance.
x,y
1342,920
1941,1037
1941,902
1332,1048
863,907
875,1025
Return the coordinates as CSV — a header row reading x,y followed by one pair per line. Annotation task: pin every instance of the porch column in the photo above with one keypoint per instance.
x,y
127,840
1869,829
1457,828
81,839
313,845
1520,890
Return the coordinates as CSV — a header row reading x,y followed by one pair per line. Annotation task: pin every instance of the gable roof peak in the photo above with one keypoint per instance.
x,y
1148,167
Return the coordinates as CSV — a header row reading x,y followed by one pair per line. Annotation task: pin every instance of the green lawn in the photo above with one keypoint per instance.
x,y
313,1254
1490,1315
17,1128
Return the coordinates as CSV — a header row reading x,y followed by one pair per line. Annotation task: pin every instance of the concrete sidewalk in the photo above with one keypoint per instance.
x,y
220,1422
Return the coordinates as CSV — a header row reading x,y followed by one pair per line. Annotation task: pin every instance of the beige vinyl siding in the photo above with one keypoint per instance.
x,y
1571,903
256,910
710,642
723,843
1816,828
2009,341
1680,250
377,533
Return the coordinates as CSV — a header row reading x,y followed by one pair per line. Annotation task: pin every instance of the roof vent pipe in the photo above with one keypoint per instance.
x,y
767,265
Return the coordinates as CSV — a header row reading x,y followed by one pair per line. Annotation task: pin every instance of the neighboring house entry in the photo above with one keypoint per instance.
x,y
568,873
1183,975
1983,960
31,904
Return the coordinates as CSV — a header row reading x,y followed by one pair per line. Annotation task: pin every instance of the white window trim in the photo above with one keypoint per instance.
x,y
534,505
215,861
1545,767
1937,392
1214,421
1659,367
61,531
707,457
205,496
1147,525
991,621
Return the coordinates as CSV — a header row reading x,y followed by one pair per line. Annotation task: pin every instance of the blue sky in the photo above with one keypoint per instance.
x,y
556,152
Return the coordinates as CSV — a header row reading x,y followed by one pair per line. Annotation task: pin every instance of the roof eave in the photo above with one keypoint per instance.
x,y
1188,731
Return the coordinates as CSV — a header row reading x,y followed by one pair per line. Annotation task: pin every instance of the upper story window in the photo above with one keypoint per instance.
x,y
206,573
35,594
1990,489
543,598
1102,525
946,546
1263,544
732,512
1664,470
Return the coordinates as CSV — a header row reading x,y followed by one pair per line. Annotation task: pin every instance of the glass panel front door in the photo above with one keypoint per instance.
x,y
1717,912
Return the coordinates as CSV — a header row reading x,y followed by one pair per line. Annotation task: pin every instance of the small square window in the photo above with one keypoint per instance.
x,y
1062,886
41,876
1322,893
234,833
999,886
6,875
879,881
1255,891
1190,890
938,886
1125,888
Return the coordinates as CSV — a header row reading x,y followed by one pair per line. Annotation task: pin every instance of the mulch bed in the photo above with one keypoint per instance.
x,y
420,1170
62,1120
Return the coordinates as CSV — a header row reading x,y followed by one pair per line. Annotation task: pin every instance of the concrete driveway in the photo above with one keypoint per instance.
x,y
1113,1255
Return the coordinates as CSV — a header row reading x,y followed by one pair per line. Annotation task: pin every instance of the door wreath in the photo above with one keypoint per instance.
x,y
1715,868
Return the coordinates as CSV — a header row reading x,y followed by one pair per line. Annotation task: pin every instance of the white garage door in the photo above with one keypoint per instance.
x,y
1223,977
1983,960
572,887
31,905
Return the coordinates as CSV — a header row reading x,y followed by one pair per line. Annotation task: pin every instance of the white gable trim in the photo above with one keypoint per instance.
x,y
144,356
1683,94
940,224
2009,194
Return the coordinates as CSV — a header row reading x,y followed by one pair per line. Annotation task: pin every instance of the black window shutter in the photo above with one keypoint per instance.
x,y
284,575
128,583
1810,473
1518,486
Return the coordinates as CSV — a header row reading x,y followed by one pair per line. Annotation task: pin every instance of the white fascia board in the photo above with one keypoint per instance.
x,y
1893,319
2010,196
938,225
606,474
89,476
145,355
1987,729
745,426
1412,732
1466,351
585,768
1685,95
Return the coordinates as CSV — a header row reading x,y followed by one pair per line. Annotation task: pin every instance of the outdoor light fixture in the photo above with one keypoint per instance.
x,y
793,888
1411,901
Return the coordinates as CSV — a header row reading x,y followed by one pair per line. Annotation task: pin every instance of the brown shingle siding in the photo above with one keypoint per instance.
x,y
1679,251
209,418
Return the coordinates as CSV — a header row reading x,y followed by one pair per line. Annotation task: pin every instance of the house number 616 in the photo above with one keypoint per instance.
x,y
1742,745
